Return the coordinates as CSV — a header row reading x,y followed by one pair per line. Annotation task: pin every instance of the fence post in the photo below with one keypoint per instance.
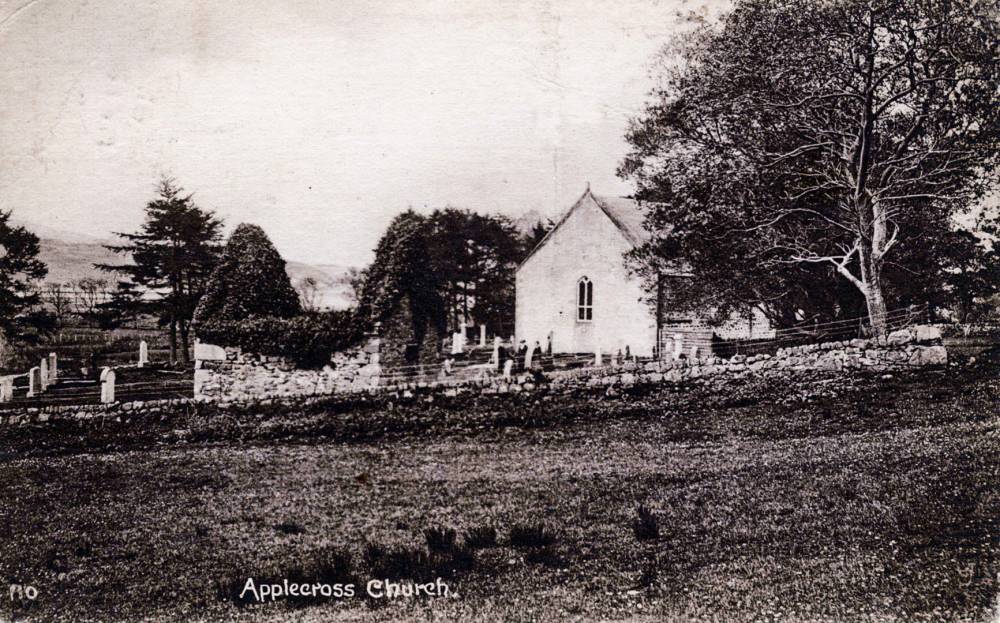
x,y
107,385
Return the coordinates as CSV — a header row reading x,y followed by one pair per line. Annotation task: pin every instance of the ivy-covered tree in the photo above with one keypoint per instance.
x,y
401,287
21,316
249,281
172,254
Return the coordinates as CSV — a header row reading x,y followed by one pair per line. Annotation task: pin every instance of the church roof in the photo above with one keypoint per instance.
x,y
627,215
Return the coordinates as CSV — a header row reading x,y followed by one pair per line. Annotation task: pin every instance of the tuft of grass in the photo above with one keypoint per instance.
x,y
531,535
440,539
481,537
545,556
289,527
646,526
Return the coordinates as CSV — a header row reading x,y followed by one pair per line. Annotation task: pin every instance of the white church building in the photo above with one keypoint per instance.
x,y
575,288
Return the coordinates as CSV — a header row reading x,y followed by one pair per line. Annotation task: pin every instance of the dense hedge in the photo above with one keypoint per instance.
x,y
308,339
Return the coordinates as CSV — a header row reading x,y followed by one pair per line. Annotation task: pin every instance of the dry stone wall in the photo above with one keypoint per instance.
x,y
111,411
231,376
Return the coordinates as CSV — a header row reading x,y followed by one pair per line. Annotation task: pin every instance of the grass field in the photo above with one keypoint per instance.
x,y
878,503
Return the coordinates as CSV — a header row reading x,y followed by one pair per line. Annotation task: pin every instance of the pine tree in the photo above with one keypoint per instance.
x,y
173,253
21,317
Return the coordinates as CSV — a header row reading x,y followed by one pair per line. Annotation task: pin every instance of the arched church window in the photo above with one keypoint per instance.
x,y
585,299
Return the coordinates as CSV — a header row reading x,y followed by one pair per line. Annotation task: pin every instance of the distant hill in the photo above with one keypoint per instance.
x,y
72,260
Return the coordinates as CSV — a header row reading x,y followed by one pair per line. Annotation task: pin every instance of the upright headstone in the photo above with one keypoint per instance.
x,y
548,344
482,336
447,366
107,385
597,357
458,343
694,353
143,354
53,367
678,345
495,360
34,382
528,352
508,366
43,369
6,389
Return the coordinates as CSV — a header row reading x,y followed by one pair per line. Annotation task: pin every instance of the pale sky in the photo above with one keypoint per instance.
x,y
319,120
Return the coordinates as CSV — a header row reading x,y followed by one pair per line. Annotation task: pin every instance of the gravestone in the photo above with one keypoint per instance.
x,y
458,342
678,345
34,382
447,366
53,367
6,389
508,366
495,360
597,357
548,344
107,385
694,352
528,352
143,354
482,336
43,371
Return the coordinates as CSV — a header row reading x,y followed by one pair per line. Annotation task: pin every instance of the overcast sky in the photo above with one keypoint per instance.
x,y
319,120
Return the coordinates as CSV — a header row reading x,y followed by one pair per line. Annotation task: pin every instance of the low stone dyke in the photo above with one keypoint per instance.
x,y
230,376
110,411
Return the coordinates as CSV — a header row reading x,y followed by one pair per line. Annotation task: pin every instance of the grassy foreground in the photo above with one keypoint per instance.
x,y
880,502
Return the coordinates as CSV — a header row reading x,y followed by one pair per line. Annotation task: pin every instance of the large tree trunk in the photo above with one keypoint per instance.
x,y
871,288
183,346
173,342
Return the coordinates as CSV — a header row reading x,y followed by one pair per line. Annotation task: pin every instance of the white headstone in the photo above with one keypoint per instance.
x,y
495,360
694,352
482,336
34,382
43,370
678,345
597,357
107,385
53,367
6,389
528,352
508,366
143,354
447,366
458,343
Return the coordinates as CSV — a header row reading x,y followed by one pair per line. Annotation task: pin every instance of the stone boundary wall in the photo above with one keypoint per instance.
x,y
229,376
114,410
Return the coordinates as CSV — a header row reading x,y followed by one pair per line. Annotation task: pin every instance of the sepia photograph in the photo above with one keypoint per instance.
x,y
500,311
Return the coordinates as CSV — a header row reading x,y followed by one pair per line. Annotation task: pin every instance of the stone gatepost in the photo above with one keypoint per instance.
x,y
53,367
6,389
34,382
43,371
107,386
143,354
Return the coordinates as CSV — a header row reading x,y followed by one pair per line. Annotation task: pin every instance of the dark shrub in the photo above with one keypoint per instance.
x,y
545,556
250,280
645,525
481,537
531,535
309,339
440,539
403,562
